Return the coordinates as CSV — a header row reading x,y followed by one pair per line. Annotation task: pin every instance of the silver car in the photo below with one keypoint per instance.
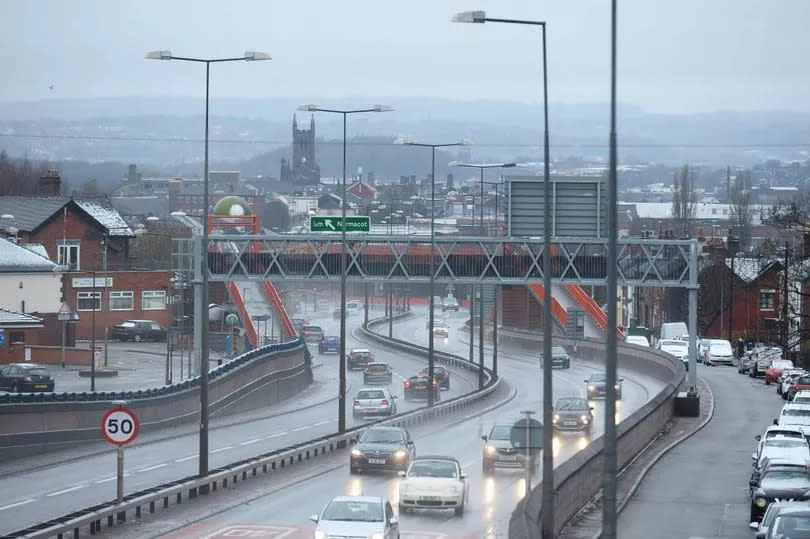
x,y
440,329
374,401
356,516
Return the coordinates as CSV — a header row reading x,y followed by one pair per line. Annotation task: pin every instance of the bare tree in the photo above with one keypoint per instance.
x,y
741,211
19,177
684,199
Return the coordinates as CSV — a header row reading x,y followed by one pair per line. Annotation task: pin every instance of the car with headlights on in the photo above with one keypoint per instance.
x,y
356,517
359,358
441,329
777,483
420,386
377,372
500,452
328,344
595,386
25,377
450,303
433,482
572,413
677,348
441,374
374,402
382,448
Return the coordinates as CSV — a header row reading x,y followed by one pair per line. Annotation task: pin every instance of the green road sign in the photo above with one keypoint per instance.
x,y
334,224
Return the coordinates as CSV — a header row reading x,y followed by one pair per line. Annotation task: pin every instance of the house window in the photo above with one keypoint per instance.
x,y
68,254
122,301
88,301
16,337
766,298
153,300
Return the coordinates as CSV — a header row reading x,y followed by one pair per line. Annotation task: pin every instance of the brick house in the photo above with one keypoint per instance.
x,y
17,329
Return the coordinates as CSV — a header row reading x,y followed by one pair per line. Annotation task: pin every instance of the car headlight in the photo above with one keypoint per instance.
x,y
616,387
584,418
591,388
490,450
403,487
761,502
555,419
454,489
319,534
357,453
400,454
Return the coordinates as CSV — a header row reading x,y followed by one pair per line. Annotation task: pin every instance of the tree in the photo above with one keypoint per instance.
x,y
152,251
684,199
19,177
741,212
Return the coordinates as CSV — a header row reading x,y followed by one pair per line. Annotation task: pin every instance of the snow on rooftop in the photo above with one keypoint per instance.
x,y
103,211
14,258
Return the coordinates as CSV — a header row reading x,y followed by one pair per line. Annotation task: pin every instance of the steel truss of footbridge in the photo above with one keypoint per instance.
x,y
456,259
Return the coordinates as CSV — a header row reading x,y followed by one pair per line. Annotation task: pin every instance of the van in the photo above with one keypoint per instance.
x,y
673,330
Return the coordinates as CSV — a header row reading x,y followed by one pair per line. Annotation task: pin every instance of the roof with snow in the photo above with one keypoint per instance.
x,y
30,213
16,259
13,319
36,248
749,269
703,211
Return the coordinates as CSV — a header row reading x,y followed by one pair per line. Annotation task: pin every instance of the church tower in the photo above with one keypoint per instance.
x,y
303,169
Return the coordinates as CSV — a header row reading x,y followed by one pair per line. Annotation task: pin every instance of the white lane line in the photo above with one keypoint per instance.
x,y
63,491
222,449
300,428
322,422
111,478
9,506
253,441
277,435
186,458
155,467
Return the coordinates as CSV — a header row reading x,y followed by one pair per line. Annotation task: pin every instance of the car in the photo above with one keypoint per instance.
x,y
438,317
382,448
677,348
377,373
312,333
638,340
784,431
789,448
802,397
359,358
789,523
441,374
353,307
418,387
776,368
450,304
433,482
572,413
356,516
595,386
500,452
796,415
703,347
560,358
25,377
138,330
719,353
786,379
802,383
299,323
770,514
782,482
329,343
440,329
374,402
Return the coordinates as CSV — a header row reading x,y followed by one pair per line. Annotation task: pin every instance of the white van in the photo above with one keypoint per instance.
x,y
673,330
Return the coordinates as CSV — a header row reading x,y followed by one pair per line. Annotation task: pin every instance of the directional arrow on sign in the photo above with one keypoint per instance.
x,y
330,225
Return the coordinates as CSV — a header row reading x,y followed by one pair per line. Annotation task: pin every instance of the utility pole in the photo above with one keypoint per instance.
x,y
731,304
785,322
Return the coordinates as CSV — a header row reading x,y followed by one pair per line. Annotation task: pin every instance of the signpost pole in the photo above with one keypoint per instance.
x,y
528,414
62,351
120,474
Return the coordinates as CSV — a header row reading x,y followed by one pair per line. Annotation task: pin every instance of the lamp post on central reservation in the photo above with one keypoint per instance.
x,y
342,359
249,56
432,147
547,525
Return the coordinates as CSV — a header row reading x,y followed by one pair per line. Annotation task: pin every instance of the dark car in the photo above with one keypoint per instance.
x,y
329,343
572,413
499,451
559,357
442,375
299,323
19,377
789,523
377,373
777,482
359,358
418,387
382,448
596,386
139,330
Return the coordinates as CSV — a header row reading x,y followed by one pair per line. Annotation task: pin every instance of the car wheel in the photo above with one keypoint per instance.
x,y
752,515
459,510
137,338
767,381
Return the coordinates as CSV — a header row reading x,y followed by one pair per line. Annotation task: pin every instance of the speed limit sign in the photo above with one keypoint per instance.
x,y
119,426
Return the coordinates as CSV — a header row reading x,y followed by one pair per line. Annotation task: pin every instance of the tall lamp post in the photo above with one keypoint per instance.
x,y
433,147
249,56
481,167
547,525
342,359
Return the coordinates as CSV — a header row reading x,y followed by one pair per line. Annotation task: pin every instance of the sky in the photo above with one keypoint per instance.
x,y
676,57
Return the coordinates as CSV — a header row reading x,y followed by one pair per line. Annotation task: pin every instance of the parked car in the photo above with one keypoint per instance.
x,y
433,483
789,449
359,358
789,523
595,386
329,343
785,380
782,431
797,415
418,387
572,413
138,330
783,482
382,448
357,516
312,333
374,401
441,374
775,369
450,304
639,340
802,383
499,452
773,510
377,373
25,377
719,353
802,397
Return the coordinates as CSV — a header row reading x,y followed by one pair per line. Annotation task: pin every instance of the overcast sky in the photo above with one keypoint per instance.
x,y
674,56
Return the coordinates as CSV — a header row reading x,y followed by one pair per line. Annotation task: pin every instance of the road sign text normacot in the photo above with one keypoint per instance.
x,y
334,224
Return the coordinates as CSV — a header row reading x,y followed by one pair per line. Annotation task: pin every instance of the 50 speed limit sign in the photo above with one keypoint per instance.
x,y
119,426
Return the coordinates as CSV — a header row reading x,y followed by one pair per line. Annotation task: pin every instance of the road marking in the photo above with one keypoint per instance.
x,y
186,458
111,478
9,506
253,441
323,422
222,449
276,435
63,491
155,467
300,428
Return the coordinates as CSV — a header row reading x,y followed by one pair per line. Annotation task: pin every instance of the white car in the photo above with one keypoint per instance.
x,y
786,380
719,352
356,516
433,483
353,307
801,397
783,447
440,329
796,415
678,348
777,431
639,340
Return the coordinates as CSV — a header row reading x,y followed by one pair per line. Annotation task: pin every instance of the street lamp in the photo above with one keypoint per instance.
x,y
249,56
547,525
342,359
406,142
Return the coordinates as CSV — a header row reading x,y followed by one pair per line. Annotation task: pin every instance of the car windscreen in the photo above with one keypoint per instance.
x,y
371,394
128,325
433,468
785,443
558,350
793,412
571,404
802,400
785,433
722,348
361,354
353,511
386,436
597,378
312,328
776,479
40,371
501,432
675,344
782,364
377,367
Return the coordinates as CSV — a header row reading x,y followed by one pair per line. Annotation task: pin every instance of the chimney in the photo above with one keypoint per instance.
x,y
50,184
450,183
132,174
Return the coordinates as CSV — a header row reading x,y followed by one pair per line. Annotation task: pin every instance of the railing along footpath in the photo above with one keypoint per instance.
x,y
162,496
579,479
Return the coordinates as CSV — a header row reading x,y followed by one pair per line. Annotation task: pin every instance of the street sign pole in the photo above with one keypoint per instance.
x,y
119,426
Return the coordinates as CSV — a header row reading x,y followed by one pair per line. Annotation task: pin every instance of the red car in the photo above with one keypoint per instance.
x,y
776,368
802,383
